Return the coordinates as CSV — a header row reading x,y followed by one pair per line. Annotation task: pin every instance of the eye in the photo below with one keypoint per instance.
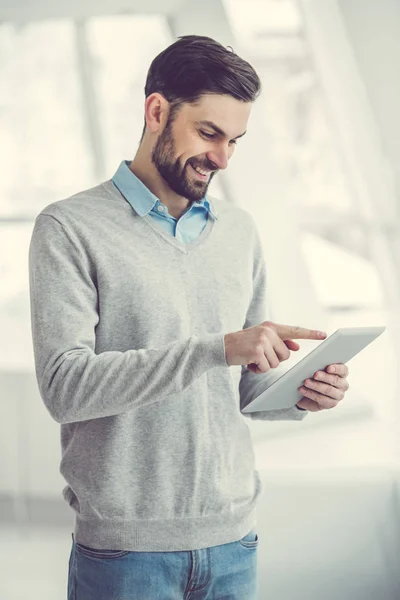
x,y
209,136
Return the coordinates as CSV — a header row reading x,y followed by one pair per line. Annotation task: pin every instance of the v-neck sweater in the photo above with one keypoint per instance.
x,y
128,327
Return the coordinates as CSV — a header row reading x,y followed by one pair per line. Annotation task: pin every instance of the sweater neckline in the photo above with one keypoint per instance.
x,y
184,247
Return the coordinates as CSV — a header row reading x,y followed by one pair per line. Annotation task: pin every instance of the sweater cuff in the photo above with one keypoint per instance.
x,y
214,347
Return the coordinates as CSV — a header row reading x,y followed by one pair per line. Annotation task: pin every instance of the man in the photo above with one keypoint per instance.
x,y
148,304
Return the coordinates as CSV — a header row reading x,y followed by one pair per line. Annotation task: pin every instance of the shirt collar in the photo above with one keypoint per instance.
x,y
138,194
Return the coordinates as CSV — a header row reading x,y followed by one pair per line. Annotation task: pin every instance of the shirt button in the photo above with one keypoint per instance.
x,y
160,208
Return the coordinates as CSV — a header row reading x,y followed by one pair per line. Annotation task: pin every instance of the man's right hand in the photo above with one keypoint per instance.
x,y
262,347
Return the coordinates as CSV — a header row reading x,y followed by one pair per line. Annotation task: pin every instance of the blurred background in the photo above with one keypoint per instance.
x,y
319,169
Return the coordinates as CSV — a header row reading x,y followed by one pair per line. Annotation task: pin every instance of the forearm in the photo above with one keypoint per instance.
x,y
81,385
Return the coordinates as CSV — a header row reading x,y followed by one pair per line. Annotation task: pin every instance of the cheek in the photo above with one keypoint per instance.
x,y
197,149
196,154
192,149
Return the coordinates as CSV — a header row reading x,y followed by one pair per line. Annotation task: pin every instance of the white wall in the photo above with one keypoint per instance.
x,y
374,30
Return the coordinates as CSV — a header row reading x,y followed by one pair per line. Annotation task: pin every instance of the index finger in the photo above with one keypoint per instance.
x,y
292,332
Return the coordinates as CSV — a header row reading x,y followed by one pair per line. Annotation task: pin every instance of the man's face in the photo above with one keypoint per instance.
x,y
202,136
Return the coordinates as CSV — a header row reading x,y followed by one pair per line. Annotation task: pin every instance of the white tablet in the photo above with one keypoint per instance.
x,y
339,347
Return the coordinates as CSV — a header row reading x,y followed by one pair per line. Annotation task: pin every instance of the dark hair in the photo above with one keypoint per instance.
x,y
195,65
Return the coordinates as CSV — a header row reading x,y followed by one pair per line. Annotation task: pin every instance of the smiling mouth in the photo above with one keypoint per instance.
x,y
202,176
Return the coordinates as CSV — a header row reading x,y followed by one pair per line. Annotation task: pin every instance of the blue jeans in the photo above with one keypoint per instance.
x,y
225,572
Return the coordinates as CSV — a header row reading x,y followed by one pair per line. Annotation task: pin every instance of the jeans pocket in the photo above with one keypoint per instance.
x,y
101,554
250,540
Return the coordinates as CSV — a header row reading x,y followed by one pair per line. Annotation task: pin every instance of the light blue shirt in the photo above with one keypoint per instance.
x,y
189,225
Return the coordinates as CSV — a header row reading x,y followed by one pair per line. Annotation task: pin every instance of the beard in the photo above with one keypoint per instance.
x,y
177,177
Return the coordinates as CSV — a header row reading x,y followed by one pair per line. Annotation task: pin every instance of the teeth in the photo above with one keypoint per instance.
x,y
201,171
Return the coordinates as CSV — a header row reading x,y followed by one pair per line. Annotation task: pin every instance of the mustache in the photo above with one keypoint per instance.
x,y
206,167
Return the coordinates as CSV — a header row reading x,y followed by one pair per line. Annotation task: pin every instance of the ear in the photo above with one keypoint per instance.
x,y
156,112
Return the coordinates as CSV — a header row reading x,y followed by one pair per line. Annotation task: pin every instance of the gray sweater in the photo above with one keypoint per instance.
x,y
128,328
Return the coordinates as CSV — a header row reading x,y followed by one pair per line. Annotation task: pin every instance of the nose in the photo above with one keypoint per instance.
x,y
219,156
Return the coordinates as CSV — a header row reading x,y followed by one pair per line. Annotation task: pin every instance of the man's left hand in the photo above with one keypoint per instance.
x,y
326,389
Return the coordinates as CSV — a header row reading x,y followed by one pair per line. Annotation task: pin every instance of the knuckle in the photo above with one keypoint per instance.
x,y
266,327
259,349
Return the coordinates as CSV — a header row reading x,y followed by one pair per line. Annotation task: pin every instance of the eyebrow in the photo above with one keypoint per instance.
x,y
217,129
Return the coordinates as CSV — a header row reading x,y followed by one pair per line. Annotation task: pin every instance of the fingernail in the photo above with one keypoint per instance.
x,y
332,369
321,334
